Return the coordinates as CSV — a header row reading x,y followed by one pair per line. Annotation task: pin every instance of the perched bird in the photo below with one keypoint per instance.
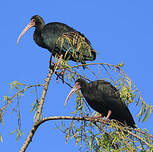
x,y
104,98
60,39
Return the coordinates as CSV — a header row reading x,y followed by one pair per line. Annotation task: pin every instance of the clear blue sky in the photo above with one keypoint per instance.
x,y
119,30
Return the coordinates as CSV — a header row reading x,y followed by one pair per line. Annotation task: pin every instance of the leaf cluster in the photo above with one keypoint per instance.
x,y
93,135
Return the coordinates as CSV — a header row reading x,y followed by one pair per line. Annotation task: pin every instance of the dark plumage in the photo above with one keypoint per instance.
x,y
103,97
60,39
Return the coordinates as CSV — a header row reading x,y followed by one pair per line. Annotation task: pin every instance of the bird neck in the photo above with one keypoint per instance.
x,y
40,26
37,37
84,87
37,34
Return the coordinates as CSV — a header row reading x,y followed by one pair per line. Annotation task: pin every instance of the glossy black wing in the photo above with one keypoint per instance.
x,y
100,95
107,97
105,88
65,40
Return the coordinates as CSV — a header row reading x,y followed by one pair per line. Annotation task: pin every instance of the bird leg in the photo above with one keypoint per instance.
x,y
108,115
62,72
59,61
50,62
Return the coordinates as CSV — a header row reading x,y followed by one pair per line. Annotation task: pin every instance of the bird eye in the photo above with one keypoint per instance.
x,y
33,20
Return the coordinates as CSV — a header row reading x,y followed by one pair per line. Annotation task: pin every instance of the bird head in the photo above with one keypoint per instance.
x,y
36,21
77,86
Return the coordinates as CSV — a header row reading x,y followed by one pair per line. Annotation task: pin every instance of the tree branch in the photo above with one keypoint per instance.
x,y
39,112
126,129
70,118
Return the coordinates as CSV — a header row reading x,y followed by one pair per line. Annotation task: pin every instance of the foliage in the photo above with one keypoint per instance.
x,y
110,137
19,89
75,45
91,135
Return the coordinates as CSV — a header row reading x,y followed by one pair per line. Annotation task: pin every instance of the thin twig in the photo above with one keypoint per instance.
x,y
3,109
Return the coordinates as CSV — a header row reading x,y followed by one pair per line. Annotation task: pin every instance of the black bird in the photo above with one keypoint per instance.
x,y
104,98
60,39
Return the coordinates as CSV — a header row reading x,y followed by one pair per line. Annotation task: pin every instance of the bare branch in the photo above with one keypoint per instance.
x,y
39,112
70,118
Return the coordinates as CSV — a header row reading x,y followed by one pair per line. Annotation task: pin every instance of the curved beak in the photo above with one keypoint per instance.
x,y
31,24
74,89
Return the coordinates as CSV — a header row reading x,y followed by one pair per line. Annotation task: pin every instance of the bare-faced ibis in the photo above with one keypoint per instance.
x,y
104,98
60,39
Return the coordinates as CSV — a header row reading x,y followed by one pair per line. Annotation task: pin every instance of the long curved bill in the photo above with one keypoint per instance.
x,y
74,89
31,24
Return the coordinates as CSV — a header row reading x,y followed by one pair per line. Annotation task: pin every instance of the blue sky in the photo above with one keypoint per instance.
x,y
119,30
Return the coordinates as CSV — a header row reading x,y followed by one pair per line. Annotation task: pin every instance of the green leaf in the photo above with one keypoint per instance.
x,y
97,140
141,110
1,138
13,131
146,115
120,64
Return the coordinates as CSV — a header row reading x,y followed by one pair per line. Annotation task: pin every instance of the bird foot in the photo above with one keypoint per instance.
x,y
99,118
50,63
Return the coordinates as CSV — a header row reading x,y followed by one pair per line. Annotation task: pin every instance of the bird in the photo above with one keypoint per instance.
x,y
61,40
104,98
